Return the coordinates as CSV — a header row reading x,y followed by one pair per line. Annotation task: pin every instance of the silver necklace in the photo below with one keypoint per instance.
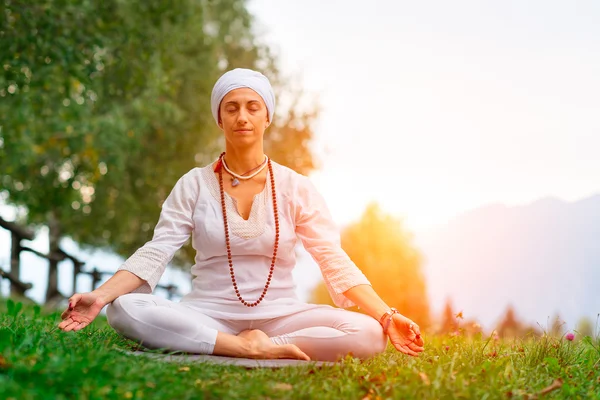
x,y
235,181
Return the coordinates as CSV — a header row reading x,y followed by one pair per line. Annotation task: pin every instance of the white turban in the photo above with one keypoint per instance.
x,y
242,78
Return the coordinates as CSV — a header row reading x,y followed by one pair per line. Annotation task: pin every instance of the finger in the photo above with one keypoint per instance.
x,y
419,342
417,330
416,348
409,351
411,337
71,326
64,323
405,350
74,300
65,314
80,326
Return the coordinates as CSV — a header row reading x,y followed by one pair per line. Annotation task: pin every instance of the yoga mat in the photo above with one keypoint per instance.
x,y
241,362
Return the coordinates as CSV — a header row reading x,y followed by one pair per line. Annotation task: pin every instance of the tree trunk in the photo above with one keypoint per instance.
x,y
54,239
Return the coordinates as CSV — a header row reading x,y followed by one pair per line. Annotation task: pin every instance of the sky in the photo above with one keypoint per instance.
x,y
433,108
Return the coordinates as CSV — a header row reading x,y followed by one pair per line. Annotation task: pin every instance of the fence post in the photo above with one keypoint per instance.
x,y
96,278
76,271
54,240
15,267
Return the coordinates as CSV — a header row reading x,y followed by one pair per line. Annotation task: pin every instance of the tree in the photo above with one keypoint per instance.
x,y
104,105
558,327
381,248
510,326
51,54
585,327
449,320
472,328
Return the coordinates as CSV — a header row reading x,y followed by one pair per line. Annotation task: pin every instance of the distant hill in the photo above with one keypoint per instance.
x,y
543,257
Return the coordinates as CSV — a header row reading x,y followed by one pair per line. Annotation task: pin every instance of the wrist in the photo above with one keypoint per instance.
x,y
387,315
104,297
386,319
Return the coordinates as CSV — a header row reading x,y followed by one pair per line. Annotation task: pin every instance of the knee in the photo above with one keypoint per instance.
x,y
115,312
371,340
117,315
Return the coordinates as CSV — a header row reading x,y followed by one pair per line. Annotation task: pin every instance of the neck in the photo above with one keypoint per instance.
x,y
242,160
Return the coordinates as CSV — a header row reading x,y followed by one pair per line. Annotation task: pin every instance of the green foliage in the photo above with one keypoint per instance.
x,y
380,247
104,105
37,362
13,309
52,136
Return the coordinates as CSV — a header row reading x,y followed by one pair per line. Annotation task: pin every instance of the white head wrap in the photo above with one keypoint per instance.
x,y
242,78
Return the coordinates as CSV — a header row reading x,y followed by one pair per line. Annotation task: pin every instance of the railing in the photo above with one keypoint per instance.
x,y
17,233
18,287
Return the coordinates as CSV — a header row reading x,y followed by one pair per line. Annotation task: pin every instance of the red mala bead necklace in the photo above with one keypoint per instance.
x,y
227,242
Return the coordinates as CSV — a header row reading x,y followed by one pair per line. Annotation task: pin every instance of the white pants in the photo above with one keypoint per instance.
x,y
324,334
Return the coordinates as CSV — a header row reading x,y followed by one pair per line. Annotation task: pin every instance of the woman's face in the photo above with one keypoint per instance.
x,y
243,117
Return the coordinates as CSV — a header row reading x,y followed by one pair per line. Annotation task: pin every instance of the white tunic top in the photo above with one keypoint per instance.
x,y
194,207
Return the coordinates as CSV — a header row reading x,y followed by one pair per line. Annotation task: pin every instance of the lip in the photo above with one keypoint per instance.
x,y
243,130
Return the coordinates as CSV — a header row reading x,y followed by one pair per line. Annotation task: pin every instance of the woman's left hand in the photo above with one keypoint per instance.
x,y
405,335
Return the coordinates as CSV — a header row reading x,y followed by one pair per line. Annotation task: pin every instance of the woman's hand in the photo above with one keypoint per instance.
x,y
405,335
83,308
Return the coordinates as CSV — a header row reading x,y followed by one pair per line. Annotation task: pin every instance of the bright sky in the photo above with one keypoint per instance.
x,y
432,108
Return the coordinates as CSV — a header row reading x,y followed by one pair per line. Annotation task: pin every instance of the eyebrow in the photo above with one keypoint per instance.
x,y
233,102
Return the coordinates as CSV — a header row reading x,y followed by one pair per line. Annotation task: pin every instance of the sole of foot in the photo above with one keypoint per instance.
x,y
263,348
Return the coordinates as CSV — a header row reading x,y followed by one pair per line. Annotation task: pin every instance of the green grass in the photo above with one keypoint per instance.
x,y
37,361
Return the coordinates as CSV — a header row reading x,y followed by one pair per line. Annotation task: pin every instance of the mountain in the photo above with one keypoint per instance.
x,y
543,258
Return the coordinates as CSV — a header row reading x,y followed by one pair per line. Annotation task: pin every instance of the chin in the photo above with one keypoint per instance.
x,y
247,141
244,139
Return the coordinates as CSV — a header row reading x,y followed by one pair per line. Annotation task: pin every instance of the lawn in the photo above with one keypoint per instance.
x,y
38,361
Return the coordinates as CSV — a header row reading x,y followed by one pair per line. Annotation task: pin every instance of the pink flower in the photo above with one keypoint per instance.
x,y
570,336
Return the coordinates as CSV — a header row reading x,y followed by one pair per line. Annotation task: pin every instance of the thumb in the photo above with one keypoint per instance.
x,y
74,300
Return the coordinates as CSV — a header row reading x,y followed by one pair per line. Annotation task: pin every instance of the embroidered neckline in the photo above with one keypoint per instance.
x,y
255,225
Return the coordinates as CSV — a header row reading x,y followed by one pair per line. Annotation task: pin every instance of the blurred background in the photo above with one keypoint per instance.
x,y
456,143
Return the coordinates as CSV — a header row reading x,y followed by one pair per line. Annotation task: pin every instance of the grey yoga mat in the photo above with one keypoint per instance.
x,y
241,362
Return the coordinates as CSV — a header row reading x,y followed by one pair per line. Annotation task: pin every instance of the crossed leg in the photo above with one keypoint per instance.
x,y
158,323
327,333
324,333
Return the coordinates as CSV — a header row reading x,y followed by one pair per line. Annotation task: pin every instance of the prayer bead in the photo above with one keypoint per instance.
x,y
226,226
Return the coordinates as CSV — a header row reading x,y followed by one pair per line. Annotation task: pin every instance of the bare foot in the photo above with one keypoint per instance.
x,y
262,347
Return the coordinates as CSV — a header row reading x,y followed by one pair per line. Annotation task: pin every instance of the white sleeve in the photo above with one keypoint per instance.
x,y
321,238
174,227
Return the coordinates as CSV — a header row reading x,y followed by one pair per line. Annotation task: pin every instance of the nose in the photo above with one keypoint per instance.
x,y
242,116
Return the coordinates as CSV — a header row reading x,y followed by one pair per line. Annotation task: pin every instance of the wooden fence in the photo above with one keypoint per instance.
x,y
18,288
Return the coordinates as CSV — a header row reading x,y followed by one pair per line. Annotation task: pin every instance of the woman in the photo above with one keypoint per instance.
x,y
245,212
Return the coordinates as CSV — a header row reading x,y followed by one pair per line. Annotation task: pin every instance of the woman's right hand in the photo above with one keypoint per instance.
x,y
83,308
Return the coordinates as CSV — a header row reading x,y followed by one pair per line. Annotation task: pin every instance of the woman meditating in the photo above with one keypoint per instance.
x,y
245,213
